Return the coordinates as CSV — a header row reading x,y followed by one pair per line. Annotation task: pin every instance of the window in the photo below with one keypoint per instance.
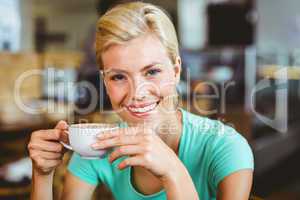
x,y
10,25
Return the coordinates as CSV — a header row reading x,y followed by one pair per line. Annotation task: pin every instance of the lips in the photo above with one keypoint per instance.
x,y
142,108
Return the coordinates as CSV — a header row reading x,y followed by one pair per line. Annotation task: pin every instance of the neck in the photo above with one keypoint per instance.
x,y
171,130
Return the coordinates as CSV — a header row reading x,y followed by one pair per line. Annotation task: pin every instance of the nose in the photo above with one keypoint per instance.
x,y
139,97
140,89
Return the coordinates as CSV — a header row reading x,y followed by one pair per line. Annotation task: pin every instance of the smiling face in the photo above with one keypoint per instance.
x,y
141,80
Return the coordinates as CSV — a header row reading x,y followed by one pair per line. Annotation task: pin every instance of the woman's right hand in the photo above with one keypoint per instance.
x,y
45,150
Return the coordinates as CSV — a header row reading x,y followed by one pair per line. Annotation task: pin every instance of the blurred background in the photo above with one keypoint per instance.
x,y
241,65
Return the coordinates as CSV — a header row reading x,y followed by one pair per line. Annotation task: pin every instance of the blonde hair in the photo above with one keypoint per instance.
x,y
128,21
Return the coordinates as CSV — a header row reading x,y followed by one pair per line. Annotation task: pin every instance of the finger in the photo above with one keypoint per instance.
x,y
127,150
64,137
44,163
46,146
117,132
132,161
47,155
54,163
116,141
50,134
55,135
62,125
108,134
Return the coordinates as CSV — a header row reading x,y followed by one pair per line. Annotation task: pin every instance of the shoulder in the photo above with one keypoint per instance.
x,y
220,144
215,131
220,148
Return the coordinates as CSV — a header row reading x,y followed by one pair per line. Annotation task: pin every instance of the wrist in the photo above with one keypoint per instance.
x,y
175,175
179,184
41,185
38,174
42,182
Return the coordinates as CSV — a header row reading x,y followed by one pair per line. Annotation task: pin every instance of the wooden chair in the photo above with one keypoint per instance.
x,y
15,67
62,60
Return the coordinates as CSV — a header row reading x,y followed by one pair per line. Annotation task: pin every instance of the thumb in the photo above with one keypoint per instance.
x,y
64,137
62,125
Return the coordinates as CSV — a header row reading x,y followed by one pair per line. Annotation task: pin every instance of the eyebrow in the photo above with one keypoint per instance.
x,y
123,71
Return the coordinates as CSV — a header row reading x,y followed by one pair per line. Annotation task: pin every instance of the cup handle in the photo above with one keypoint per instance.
x,y
66,145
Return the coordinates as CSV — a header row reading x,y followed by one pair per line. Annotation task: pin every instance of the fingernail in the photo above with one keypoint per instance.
x,y
94,145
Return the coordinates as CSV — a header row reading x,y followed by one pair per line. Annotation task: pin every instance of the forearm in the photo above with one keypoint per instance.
x,y
41,186
180,186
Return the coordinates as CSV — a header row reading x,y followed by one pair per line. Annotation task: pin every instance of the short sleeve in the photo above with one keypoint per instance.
x,y
83,169
230,154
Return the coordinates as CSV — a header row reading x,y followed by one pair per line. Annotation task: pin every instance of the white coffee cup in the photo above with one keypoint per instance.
x,y
82,136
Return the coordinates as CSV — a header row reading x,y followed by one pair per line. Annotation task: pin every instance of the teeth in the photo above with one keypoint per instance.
x,y
144,109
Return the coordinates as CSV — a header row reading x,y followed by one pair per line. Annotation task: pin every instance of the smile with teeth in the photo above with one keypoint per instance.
x,y
143,109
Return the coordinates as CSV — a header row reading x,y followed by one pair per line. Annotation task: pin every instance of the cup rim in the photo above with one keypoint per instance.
x,y
94,125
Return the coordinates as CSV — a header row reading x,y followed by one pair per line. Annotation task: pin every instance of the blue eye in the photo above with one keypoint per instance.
x,y
152,72
117,77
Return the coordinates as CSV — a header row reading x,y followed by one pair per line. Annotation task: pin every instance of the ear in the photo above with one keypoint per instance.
x,y
177,68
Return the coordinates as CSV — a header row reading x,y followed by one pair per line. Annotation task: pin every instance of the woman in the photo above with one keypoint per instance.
x,y
164,152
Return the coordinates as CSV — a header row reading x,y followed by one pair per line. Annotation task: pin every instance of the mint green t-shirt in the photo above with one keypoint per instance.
x,y
209,150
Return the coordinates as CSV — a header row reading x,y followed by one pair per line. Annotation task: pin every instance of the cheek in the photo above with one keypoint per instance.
x,y
167,86
117,94
168,93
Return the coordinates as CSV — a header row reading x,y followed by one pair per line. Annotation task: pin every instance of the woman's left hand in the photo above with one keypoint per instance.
x,y
144,148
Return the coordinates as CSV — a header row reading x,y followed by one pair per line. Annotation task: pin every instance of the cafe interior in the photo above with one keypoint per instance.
x,y
240,65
